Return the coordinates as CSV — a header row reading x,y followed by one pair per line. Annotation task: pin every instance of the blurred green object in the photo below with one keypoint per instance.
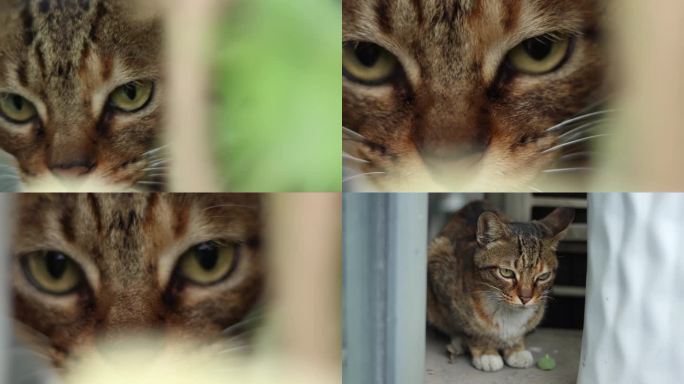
x,y
279,91
546,363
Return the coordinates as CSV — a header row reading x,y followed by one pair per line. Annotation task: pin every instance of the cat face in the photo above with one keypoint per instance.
x,y
80,92
516,262
89,269
460,94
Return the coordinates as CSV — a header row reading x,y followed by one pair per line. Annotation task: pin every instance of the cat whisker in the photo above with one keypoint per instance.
x,y
569,143
257,316
156,163
155,150
576,155
363,174
578,119
583,127
234,349
568,170
347,158
229,206
155,169
348,134
149,183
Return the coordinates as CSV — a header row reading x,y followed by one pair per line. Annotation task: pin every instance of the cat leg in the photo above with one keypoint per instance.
x,y
455,348
485,358
517,356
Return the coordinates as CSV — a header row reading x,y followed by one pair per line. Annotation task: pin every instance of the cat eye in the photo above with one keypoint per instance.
x,y
544,276
132,97
506,273
208,263
16,108
539,55
368,63
52,272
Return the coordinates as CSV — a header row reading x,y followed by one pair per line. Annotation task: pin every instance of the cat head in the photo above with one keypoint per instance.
x,y
461,94
88,270
516,262
80,93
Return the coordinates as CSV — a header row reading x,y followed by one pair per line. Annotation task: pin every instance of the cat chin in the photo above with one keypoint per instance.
x,y
52,184
139,361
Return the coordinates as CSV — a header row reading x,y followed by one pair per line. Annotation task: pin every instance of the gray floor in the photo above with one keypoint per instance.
x,y
563,345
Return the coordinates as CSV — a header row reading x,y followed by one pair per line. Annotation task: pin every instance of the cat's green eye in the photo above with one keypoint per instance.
x,y
16,108
52,272
544,276
132,97
539,55
208,263
368,63
506,273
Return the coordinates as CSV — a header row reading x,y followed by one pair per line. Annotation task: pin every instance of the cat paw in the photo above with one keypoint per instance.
x,y
455,348
520,359
488,363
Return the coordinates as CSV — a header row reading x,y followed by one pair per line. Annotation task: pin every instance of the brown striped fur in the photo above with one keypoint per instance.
x,y
128,246
66,57
471,302
457,117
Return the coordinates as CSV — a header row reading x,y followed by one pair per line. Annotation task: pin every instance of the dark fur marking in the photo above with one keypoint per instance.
x,y
181,223
383,15
27,21
22,73
418,8
510,20
44,6
66,222
100,12
38,49
95,209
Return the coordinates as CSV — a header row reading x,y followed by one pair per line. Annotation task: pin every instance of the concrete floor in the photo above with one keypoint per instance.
x,y
563,345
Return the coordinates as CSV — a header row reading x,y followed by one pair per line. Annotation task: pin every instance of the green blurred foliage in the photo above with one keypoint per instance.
x,y
277,76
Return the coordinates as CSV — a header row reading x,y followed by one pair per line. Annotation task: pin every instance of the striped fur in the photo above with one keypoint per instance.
x,y
66,57
457,118
128,246
470,301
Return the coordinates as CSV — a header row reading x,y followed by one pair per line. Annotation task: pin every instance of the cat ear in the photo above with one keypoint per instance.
x,y
557,223
491,228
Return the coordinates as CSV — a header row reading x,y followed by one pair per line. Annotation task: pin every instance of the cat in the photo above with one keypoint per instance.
x,y
488,282
81,94
445,95
89,270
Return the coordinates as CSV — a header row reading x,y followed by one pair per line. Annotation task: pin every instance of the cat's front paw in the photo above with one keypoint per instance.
x,y
488,363
520,359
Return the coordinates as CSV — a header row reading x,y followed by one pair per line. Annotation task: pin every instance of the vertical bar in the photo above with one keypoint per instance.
x,y
188,129
304,253
384,283
5,340
407,269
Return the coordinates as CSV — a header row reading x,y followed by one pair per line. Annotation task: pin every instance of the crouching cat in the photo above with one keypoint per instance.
x,y
488,281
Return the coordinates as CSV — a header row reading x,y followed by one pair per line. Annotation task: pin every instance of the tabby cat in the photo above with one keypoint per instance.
x,y
80,95
470,94
488,281
89,270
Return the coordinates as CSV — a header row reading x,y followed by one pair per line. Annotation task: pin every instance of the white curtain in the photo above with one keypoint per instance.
x,y
634,321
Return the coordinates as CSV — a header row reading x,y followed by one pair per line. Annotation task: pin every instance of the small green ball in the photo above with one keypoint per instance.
x,y
546,363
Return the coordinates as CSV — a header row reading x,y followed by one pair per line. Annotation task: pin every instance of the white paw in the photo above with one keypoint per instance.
x,y
520,359
488,362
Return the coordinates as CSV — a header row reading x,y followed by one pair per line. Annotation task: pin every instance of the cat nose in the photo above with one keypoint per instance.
x,y
525,299
71,170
